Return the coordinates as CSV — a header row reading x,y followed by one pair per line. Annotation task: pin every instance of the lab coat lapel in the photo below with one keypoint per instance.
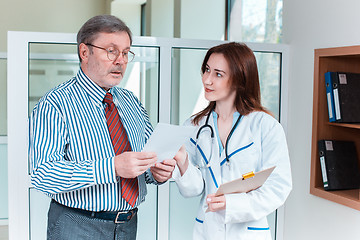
x,y
240,140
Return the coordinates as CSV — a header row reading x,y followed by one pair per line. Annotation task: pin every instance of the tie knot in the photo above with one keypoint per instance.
x,y
108,99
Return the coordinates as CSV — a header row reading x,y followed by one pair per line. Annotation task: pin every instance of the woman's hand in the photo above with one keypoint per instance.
x,y
216,203
181,159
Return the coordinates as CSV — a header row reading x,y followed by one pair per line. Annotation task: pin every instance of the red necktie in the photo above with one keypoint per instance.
x,y
129,186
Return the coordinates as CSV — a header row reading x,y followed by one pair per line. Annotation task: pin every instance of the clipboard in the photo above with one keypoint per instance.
x,y
247,183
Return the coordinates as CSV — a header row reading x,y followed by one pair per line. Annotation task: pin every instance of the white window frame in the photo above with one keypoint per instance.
x,y
17,90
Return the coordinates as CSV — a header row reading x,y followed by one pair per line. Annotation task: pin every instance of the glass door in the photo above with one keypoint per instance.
x,y
53,64
3,143
188,98
165,76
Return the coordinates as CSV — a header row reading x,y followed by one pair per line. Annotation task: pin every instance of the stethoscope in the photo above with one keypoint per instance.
x,y
212,135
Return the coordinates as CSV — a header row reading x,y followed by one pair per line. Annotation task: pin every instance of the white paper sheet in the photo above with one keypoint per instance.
x,y
167,139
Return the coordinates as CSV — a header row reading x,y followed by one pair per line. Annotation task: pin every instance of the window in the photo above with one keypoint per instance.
x,y
255,20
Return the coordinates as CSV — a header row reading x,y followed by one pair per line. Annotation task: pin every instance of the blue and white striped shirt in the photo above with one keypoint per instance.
x,y
70,149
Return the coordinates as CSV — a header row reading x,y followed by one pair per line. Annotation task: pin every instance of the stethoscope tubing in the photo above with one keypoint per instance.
x,y
207,125
228,138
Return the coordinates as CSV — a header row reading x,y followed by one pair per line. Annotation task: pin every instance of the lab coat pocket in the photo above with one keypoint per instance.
x,y
198,232
200,217
258,233
199,220
244,158
242,150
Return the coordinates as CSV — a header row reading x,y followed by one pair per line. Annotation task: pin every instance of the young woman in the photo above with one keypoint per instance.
x,y
235,135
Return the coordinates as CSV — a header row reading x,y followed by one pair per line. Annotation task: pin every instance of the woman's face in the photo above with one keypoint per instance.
x,y
216,79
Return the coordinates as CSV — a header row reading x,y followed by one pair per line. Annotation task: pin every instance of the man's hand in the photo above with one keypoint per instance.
x,y
163,171
133,164
216,203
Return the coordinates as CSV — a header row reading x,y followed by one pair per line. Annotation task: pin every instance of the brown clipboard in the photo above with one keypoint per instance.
x,y
245,184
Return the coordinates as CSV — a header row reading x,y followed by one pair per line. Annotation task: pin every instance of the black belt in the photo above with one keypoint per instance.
x,y
116,217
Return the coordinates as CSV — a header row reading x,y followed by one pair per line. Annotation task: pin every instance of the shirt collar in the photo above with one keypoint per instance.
x,y
95,92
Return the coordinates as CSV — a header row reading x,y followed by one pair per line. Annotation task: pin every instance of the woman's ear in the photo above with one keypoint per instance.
x,y
84,52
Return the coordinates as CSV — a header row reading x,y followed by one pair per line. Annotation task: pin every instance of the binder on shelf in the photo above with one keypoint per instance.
x,y
329,95
345,96
339,164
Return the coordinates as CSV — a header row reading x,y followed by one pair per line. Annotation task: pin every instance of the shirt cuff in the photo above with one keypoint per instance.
x,y
187,178
150,178
104,171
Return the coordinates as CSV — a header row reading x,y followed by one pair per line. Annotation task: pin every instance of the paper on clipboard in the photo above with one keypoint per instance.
x,y
167,139
241,185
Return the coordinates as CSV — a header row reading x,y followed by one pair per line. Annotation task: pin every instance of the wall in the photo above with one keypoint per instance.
x,y
47,15
130,12
309,25
202,19
161,18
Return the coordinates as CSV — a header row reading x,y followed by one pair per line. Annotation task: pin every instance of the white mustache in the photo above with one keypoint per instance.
x,y
117,70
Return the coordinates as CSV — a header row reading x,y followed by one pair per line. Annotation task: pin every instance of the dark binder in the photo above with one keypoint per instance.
x,y
339,164
346,94
329,95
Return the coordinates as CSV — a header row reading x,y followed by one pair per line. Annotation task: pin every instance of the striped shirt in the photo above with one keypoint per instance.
x,y
70,149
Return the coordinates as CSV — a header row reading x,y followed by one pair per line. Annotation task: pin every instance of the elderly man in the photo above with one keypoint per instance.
x,y
85,140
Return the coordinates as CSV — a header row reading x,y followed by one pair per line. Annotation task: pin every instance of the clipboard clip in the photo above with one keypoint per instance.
x,y
248,175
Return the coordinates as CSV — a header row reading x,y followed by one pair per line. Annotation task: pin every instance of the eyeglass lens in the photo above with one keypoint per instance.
x,y
114,53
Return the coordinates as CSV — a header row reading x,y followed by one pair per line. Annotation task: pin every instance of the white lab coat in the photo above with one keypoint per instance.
x,y
257,143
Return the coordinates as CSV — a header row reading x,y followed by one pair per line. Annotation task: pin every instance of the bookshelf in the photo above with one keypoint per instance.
x,y
340,59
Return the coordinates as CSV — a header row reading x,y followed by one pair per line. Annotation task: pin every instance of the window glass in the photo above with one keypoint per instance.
x,y
187,96
163,18
187,90
269,76
49,66
39,205
3,97
147,215
142,78
3,182
183,212
255,20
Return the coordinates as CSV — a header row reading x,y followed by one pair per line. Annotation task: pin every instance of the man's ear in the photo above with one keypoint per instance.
x,y
84,52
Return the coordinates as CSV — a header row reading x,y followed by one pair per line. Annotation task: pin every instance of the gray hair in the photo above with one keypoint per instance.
x,y
100,24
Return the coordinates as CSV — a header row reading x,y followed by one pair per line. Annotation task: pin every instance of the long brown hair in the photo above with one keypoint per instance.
x,y
244,78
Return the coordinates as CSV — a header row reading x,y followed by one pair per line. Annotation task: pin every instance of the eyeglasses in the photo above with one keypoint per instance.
x,y
113,53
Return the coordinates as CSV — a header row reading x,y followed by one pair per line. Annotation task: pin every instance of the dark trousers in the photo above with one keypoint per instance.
x,y
68,224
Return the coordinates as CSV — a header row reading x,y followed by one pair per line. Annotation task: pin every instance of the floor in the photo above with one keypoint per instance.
x,y
4,233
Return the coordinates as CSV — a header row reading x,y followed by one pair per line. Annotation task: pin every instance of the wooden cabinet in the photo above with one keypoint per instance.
x,y
340,59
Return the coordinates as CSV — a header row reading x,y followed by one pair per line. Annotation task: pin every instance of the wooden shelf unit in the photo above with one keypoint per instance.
x,y
340,59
